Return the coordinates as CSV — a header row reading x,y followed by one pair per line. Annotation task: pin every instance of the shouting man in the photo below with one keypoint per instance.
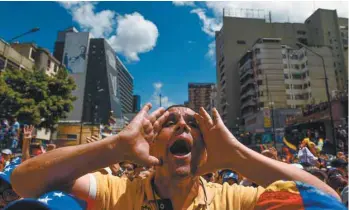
x,y
181,144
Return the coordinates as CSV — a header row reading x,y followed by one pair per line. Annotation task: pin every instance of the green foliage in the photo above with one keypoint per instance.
x,y
36,98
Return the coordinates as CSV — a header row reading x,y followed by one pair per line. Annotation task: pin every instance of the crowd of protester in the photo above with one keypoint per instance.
x,y
308,156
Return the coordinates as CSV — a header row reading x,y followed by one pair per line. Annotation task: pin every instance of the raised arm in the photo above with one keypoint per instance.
x,y
233,154
59,169
27,136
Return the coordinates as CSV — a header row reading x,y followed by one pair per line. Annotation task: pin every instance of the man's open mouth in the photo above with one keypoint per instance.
x,y
180,148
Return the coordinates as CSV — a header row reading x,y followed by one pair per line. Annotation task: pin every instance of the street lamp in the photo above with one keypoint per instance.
x,y
33,30
327,92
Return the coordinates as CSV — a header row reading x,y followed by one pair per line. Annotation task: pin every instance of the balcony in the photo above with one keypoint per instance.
x,y
250,92
248,72
8,52
247,82
248,103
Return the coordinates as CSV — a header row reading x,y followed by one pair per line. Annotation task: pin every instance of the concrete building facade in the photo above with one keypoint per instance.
x,y
200,95
12,59
283,79
125,85
232,44
43,59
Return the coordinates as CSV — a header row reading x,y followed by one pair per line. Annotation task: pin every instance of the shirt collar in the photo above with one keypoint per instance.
x,y
199,199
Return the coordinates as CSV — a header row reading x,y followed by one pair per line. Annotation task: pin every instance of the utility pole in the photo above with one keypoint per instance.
x,y
327,93
271,103
160,99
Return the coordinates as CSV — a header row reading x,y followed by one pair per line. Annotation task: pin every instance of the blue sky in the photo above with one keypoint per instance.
x,y
164,45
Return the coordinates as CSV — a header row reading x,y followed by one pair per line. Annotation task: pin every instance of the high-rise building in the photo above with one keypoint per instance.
x,y
200,95
136,103
104,86
231,44
125,86
278,77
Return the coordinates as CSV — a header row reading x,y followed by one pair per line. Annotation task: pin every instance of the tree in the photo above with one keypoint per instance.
x,y
36,98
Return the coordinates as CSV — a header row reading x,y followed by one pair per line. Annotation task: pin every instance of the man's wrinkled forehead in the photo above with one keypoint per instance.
x,y
182,111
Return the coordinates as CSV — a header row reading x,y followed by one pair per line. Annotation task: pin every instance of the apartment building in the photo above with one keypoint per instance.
x,y
200,95
232,44
281,78
42,58
12,59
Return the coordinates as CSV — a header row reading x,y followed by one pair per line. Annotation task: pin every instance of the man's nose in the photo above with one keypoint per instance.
x,y
182,127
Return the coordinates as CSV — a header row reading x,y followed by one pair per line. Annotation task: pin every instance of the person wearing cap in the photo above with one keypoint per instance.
x,y
181,144
6,155
230,178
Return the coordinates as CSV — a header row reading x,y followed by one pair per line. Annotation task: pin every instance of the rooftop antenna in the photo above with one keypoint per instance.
x,y
269,16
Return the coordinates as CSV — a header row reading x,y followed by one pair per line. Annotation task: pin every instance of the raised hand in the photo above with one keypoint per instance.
x,y
219,142
134,140
28,131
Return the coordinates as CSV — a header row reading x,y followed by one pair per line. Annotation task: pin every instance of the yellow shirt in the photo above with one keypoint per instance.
x,y
120,193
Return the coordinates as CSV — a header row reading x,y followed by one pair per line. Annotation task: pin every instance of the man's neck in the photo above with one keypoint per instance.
x,y
181,191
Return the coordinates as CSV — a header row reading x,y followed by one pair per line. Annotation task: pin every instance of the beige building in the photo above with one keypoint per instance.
x,y
237,35
200,95
285,79
42,58
11,59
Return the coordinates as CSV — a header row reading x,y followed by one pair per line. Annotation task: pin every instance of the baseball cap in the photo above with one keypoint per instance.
x,y
6,151
55,200
230,175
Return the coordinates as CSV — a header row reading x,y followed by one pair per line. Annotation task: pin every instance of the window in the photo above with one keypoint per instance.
x,y
287,86
303,66
285,66
296,76
330,41
297,87
288,96
300,32
260,93
261,104
72,136
329,33
296,66
283,56
241,42
334,64
308,84
48,63
258,61
257,51
259,82
259,71
294,57
307,73
56,69
286,76
305,86
93,46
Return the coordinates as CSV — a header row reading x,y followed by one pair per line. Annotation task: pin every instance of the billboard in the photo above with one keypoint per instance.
x,y
75,58
267,117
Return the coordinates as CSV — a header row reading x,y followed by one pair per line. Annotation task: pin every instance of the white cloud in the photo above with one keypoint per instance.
x,y
128,34
134,35
155,98
184,3
209,25
100,24
211,53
